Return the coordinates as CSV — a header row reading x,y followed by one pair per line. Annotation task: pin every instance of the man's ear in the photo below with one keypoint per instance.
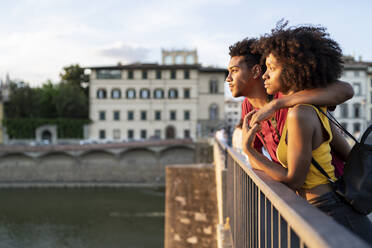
x,y
256,71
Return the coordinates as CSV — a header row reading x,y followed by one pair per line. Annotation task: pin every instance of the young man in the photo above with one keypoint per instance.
x,y
245,79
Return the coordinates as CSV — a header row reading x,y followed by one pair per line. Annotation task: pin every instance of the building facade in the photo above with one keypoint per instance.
x,y
176,99
354,114
233,111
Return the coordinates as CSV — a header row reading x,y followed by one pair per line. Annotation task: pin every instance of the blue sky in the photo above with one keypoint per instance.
x,y
39,37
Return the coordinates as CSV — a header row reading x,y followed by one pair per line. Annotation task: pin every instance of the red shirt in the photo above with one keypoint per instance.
x,y
269,135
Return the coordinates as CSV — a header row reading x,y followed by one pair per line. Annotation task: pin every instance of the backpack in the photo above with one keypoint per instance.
x,y
355,185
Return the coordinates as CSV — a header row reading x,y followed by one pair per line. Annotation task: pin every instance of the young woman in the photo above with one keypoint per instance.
x,y
301,58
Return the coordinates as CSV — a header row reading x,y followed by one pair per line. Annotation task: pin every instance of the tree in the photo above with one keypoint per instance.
x,y
71,102
74,75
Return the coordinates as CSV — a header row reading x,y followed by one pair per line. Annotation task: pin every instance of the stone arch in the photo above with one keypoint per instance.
x,y
140,165
17,167
177,155
57,166
97,165
46,134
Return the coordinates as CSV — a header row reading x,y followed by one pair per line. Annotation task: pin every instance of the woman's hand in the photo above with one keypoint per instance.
x,y
249,133
264,113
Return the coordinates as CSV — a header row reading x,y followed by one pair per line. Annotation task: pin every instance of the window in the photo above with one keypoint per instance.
x,y
158,74
116,94
190,59
101,93
179,59
356,110
213,86
172,93
186,115
159,93
344,124
168,60
158,115
186,133
143,134
356,73
344,110
108,74
172,115
102,134
130,74
186,93
102,115
144,74
213,112
356,127
157,133
173,74
116,115
186,74
145,93
130,115
131,93
371,83
116,134
143,115
357,89
130,134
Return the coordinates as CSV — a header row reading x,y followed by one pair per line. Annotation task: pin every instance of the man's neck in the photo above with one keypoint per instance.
x,y
258,97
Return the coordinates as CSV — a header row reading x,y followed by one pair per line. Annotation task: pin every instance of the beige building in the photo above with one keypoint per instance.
x,y
176,99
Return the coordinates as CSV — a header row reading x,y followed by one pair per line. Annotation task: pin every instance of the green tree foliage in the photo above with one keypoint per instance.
x,y
59,104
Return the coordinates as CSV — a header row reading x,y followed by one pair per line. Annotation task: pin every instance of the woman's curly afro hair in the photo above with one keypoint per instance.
x,y
310,58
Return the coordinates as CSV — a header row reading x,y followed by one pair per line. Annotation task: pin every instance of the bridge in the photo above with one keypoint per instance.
x,y
140,163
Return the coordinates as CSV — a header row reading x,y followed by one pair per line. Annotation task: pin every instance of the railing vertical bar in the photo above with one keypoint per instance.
x,y
289,244
240,206
279,232
249,212
234,212
245,212
265,222
259,218
302,245
255,215
271,226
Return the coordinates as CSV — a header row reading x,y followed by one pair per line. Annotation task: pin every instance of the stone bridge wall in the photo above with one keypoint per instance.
x,y
95,164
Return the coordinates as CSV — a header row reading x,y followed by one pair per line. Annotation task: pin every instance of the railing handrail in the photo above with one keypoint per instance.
x,y
315,228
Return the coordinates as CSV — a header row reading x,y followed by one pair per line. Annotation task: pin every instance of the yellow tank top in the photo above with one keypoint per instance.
x,y
321,154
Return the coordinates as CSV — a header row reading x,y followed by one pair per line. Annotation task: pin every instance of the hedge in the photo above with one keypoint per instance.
x,y
24,128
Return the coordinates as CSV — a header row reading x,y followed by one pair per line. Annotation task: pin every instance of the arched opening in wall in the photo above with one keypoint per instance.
x,y
46,136
170,132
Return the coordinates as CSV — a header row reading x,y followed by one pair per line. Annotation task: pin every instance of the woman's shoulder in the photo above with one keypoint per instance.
x,y
302,112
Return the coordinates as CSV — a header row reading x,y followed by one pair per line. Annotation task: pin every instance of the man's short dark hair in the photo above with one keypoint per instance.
x,y
244,48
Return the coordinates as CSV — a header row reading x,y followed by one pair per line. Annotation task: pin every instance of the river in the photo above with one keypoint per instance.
x,y
82,218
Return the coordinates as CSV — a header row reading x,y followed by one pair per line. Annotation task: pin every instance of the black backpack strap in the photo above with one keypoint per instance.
x,y
337,124
313,161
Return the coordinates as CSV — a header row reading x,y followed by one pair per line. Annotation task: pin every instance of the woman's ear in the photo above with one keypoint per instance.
x,y
256,71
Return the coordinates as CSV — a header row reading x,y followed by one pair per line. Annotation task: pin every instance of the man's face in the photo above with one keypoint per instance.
x,y
273,82
239,76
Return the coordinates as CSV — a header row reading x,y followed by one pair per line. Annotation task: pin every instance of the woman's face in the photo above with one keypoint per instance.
x,y
273,83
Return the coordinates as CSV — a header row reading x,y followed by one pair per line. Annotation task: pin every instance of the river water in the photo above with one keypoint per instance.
x,y
82,218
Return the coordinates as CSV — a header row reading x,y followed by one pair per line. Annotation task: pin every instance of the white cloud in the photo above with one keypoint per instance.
x,y
125,53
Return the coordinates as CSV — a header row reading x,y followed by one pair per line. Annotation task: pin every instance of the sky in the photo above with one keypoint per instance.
x,y
39,37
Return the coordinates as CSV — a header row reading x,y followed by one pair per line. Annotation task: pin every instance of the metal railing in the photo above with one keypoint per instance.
x,y
266,213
